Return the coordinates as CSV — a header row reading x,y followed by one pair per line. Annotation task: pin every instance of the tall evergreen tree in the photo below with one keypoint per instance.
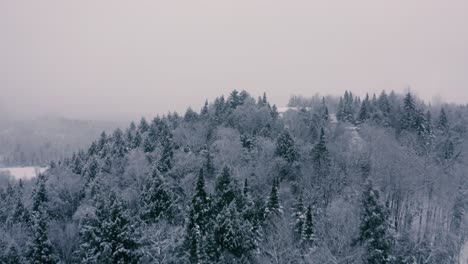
x,y
143,126
107,235
136,142
365,111
225,189
321,157
442,123
273,206
156,199
198,222
374,228
308,235
234,99
204,110
167,144
41,250
232,233
324,115
299,218
285,147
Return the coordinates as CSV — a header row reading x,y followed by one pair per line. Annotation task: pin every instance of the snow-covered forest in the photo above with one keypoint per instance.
x,y
372,179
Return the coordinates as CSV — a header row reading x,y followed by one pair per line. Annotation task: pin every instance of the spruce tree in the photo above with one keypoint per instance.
x,y
365,111
340,115
204,110
166,161
232,233
374,228
324,111
156,199
308,235
225,189
143,126
107,235
92,168
442,123
198,222
321,157
299,218
273,206
41,250
285,147
234,99
136,142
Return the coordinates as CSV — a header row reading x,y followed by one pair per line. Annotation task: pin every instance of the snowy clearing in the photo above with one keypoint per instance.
x,y
24,173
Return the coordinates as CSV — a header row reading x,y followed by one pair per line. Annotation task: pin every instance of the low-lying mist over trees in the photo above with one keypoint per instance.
x,y
375,179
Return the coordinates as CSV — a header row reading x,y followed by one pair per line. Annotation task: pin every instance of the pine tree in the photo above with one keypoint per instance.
x,y
411,118
308,235
273,206
20,214
232,233
324,111
92,168
225,189
234,99
41,250
108,236
364,113
143,126
156,199
148,144
374,228
102,141
199,219
136,140
208,166
167,155
204,110
190,116
299,218
348,108
321,156
340,115
285,147
442,123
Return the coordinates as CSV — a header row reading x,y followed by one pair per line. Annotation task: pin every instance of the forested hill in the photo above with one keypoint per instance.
x,y
378,179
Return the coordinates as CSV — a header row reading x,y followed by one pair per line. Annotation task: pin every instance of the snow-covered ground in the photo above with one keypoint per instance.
x,y
24,173
464,254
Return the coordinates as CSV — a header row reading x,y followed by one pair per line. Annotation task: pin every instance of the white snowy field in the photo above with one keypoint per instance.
x,y
24,173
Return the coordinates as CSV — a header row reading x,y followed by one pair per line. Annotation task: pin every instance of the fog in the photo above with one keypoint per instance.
x,y
123,59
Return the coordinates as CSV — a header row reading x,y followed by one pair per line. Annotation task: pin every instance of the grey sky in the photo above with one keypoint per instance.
x,y
112,58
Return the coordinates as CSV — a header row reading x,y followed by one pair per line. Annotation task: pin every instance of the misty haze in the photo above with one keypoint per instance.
x,y
196,132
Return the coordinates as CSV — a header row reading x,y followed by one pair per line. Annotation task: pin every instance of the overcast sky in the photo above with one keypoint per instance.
x,y
119,59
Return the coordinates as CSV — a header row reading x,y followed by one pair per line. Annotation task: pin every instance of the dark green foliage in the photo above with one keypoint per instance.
x,y
190,116
232,233
108,235
143,126
365,111
225,189
299,218
442,123
308,235
321,156
273,206
156,199
167,145
40,249
374,228
198,221
285,147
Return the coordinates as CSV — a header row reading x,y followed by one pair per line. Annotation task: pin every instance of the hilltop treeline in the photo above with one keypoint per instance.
x,y
377,179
